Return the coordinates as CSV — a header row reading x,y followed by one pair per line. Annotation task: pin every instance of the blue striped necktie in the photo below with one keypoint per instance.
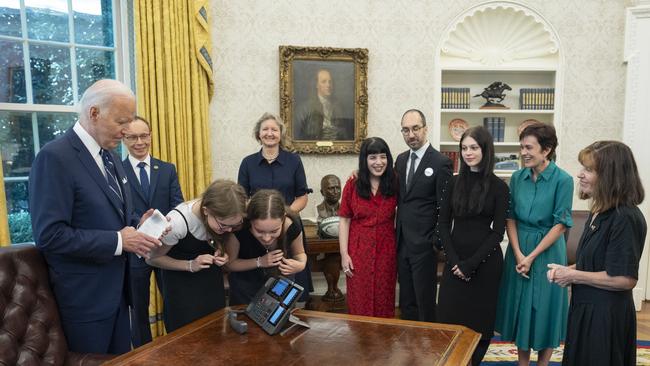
x,y
111,174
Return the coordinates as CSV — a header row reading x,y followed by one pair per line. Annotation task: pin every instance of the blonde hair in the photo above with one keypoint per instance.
x,y
270,116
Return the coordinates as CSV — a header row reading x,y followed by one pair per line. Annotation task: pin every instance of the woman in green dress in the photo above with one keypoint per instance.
x,y
531,311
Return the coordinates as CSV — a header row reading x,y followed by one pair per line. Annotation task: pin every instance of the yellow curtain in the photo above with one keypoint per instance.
x,y
174,85
5,240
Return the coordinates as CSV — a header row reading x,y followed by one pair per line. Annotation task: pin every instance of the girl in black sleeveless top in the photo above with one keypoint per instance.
x,y
269,245
192,254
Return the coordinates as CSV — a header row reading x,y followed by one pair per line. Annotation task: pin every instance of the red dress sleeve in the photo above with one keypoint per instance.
x,y
346,198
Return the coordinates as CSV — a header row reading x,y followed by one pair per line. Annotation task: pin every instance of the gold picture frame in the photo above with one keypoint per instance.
x,y
324,98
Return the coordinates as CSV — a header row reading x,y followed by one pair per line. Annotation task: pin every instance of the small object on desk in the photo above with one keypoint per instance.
x,y
329,228
457,127
238,326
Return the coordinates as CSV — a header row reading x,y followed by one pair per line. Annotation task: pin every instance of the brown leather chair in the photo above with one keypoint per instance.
x,y
30,328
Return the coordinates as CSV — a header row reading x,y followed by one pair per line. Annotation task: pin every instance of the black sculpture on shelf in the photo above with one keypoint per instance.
x,y
493,95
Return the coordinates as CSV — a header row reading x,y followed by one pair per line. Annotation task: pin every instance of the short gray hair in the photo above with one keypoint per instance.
x,y
101,93
265,117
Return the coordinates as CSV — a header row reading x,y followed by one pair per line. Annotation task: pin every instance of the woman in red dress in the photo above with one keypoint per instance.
x,y
367,232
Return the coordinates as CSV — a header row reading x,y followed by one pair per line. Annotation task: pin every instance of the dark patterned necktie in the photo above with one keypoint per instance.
x,y
111,174
144,179
409,176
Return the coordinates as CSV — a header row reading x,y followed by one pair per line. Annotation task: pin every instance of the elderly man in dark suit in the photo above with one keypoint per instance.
x,y
82,220
423,172
154,184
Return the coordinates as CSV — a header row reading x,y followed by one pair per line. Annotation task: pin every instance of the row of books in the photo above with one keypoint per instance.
x,y
536,98
454,156
496,126
455,98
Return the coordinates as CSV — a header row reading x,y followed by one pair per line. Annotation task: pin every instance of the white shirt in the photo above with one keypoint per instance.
x,y
134,163
420,153
94,150
179,229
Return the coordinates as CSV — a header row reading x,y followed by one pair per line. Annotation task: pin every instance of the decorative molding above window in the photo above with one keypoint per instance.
x,y
500,33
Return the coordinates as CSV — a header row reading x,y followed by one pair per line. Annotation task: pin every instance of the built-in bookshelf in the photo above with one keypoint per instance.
x,y
475,51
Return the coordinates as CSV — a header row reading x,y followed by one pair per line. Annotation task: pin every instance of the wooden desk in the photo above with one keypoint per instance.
x,y
334,339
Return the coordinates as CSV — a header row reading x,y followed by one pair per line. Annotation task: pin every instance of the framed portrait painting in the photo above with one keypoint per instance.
x,y
324,98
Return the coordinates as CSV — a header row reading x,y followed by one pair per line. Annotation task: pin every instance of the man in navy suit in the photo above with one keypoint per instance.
x,y
154,184
423,173
79,200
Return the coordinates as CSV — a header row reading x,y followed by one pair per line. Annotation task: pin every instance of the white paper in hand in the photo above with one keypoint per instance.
x,y
155,225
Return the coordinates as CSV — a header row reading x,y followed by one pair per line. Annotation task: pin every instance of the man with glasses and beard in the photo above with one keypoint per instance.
x,y
423,174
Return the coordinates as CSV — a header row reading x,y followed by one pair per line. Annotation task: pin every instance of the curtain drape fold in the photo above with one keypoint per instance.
x,y
5,239
174,85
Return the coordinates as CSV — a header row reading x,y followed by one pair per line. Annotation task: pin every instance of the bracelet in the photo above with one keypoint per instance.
x,y
258,263
190,262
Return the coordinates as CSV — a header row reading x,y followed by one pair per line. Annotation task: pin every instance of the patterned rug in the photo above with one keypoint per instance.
x,y
505,353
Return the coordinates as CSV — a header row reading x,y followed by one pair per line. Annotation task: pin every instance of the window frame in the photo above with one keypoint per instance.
x,y
122,49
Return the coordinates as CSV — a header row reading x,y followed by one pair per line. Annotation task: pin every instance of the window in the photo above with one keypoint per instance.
x,y
52,50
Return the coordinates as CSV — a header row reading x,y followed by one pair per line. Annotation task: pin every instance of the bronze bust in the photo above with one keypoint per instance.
x,y
330,188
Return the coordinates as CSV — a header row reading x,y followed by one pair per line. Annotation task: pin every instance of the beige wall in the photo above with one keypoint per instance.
x,y
401,37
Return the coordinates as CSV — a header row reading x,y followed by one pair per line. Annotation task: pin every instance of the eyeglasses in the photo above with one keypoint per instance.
x,y
415,129
225,227
134,138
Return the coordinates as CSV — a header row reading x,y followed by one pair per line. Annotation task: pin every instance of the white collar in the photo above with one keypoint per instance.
x,y
88,141
134,162
420,152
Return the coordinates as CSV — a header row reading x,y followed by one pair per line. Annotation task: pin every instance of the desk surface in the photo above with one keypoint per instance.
x,y
334,339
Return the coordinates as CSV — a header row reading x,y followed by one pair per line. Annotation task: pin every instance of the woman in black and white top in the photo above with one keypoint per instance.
x,y
192,254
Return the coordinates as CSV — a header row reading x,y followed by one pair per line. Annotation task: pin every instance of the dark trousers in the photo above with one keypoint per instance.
x,y
416,273
140,276
110,335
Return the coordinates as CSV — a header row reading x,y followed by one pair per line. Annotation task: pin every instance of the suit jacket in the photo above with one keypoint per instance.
x,y
418,206
75,222
311,118
164,191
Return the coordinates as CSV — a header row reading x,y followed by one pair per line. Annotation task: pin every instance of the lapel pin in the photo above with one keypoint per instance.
x,y
428,172
155,167
124,180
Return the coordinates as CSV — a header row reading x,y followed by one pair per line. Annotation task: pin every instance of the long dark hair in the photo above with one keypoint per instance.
x,y
387,183
469,199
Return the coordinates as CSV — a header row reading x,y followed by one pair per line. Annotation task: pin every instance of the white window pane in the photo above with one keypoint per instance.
x,y
17,143
93,22
53,125
93,65
10,18
12,69
47,20
51,80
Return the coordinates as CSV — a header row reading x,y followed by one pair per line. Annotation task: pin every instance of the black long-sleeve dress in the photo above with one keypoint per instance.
x,y
473,243
601,329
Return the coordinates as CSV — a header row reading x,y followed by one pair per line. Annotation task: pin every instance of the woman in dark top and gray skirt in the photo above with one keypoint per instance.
x,y
601,329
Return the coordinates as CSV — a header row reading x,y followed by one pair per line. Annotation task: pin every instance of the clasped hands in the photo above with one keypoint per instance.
x,y
204,261
276,257
559,274
458,273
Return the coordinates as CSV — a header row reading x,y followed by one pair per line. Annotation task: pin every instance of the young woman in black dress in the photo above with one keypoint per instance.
x,y
192,254
472,222
601,329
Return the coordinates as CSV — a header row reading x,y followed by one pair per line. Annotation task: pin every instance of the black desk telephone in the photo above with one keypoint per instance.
x,y
271,307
